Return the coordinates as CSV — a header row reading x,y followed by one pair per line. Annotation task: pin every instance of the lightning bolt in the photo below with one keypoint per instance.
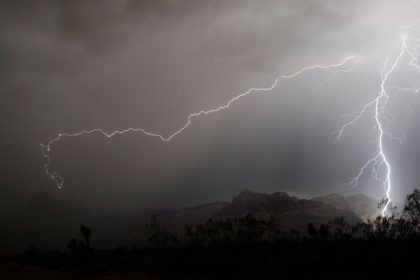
x,y
350,61
379,163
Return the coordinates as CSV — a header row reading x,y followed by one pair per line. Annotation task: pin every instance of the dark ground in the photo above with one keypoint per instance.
x,y
246,247
282,260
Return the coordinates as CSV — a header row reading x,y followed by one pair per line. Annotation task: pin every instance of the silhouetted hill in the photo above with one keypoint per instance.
x,y
362,205
50,222
289,212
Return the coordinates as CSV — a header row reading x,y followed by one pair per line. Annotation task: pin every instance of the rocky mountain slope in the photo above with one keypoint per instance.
x,y
362,205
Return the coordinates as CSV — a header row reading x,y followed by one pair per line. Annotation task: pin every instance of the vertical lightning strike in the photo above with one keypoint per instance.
x,y
379,162
334,69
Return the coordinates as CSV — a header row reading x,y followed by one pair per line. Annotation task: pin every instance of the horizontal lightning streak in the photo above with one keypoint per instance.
x,y
59,180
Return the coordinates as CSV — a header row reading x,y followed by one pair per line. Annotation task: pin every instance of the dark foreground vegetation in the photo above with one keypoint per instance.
x,y
242,248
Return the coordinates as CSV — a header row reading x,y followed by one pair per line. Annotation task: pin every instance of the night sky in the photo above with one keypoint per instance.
x,y
66,66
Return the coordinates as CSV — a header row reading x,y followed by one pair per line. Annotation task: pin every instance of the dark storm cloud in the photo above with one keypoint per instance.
x,y
72,65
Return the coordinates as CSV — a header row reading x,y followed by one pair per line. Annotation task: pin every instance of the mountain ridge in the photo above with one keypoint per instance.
x,y
362,205
51,222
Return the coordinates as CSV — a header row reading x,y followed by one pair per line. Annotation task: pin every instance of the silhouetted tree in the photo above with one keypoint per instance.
x,y
362,231
324,232
312,231
412,206
73,245
340,229
238,230
86,233
159,237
